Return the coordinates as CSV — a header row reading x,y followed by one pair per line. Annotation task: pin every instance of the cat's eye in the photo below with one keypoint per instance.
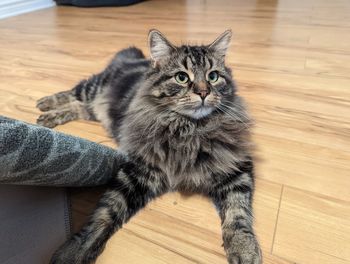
x,y
182,77
213,76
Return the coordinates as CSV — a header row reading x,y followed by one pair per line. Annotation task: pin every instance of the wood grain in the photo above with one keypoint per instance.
x,y
190,226
291,63
312,228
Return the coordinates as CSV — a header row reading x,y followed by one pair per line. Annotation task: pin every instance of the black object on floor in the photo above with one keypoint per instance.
x,y
96,3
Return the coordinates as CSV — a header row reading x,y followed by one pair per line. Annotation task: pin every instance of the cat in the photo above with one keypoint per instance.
x,y
180,126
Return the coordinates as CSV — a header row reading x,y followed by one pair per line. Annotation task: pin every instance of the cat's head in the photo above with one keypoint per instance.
x,y
191,80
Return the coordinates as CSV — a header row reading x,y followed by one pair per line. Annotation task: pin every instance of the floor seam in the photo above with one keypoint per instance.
x,y
278,213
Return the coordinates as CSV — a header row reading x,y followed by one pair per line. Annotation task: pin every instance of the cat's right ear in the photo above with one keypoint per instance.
x,y
159,46
221,44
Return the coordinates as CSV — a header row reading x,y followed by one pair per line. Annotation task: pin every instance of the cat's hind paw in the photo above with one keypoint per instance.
x,y
55,118
46,103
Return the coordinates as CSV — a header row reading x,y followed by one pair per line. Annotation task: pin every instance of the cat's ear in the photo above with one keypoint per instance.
x,y
159,46
221,44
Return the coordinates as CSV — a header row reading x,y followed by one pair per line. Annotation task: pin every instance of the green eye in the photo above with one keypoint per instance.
x,y
213,76
182,77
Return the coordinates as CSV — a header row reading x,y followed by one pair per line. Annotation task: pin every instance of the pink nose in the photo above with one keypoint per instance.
x,y
202,93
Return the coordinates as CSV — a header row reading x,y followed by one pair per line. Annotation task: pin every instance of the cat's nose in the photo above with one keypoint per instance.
x,y
202,93
202,90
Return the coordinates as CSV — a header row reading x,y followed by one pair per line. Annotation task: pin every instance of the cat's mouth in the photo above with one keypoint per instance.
x,y
199,111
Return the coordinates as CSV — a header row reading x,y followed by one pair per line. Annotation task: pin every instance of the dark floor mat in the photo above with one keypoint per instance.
x,y
34,222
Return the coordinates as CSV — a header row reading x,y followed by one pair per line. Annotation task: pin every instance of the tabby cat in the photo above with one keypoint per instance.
x,y
180,126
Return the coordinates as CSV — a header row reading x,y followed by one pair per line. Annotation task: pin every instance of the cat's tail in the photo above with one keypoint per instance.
x,y
131,53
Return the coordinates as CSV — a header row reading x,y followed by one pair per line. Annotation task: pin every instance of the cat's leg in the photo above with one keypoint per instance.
x,y
55,101
233,198
133,187
66,106
63,114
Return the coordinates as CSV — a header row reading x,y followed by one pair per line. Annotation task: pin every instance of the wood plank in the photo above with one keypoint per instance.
x,y
303,114
266,203
190,226
312,228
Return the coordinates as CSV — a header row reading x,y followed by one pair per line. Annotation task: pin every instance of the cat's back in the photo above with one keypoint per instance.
x,y
121,80
127,68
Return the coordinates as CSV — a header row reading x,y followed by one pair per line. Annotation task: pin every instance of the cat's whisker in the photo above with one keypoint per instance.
x,y
236,106
234,117
234,109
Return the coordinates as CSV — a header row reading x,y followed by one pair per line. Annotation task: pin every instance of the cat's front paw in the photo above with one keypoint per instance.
x,y
244,249
69,253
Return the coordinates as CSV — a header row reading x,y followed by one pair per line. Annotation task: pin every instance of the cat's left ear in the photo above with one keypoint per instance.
x,y
159,46
221,44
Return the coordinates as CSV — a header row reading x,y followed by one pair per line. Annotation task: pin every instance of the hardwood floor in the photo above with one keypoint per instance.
x,y
291,60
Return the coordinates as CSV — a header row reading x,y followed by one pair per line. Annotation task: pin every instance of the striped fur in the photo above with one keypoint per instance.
x,y
191,136
133,186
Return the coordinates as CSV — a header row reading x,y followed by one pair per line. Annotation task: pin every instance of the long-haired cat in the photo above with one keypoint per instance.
x,y
180,126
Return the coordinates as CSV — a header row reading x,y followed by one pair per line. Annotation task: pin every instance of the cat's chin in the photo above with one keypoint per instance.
x,y
198,113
